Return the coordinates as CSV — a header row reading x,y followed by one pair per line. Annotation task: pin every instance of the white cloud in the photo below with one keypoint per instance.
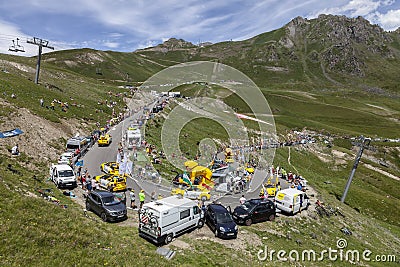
x,y
10,32
111,44
121,24
147,43
390,20
369,9
115,35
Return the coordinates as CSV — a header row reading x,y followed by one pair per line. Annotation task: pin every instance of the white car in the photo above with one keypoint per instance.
x,y
68,155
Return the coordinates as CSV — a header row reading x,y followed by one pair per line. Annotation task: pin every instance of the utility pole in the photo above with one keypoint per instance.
x,y
41,43
364,143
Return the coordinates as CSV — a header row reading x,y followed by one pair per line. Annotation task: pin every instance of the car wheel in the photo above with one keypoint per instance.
x,y
248,222
103,217
200,224
271,218
216,233
88,206
168,239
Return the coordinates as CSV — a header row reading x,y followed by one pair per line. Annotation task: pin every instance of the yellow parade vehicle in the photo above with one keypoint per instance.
x,y
111,182
194,192
110,167
104,140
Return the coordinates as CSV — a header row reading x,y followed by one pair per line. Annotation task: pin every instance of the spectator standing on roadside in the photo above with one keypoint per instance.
x,y
89,184
203,207
79,173
83,180
242,200
133,199
41,102
142,198
94,184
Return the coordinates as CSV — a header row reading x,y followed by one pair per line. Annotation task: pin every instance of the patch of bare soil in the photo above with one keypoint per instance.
x,y
18,66
40,138
340,158
244,238
382,172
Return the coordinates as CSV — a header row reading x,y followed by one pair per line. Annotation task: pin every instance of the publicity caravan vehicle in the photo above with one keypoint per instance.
x,y
291,200
77,143
133,138
162,220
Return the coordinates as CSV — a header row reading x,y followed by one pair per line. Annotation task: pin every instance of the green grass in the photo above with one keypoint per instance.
x,y
68,88
38,233
368,193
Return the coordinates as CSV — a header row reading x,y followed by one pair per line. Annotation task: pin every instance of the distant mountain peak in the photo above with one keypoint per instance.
x,y
170,45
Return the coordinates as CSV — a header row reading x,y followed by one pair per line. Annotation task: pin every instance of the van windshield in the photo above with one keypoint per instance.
x,y
65,173
72,147
224,217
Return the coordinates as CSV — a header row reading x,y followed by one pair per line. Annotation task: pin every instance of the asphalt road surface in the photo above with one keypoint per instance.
x,y
97,155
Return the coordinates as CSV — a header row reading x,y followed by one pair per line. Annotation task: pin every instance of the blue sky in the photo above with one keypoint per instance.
x,y
126,25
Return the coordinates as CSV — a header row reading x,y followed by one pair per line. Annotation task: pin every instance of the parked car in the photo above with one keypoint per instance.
x,y
106,205
220,221
254,210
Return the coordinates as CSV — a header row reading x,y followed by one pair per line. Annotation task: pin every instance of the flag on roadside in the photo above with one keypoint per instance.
x,y
122,167
129,167
186,179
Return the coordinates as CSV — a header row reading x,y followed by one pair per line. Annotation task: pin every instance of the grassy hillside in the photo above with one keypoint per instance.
x,y
316,74
80,92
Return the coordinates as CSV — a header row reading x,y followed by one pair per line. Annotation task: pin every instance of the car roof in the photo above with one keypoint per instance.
x,y
218,207
103,193
259,200
167,203
62,167
290,192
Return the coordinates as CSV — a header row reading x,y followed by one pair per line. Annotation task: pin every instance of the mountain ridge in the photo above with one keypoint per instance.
x,y
328,51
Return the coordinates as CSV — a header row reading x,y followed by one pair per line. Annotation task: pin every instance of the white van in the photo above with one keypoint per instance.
x,y
62,175
291,200
133,138
164,219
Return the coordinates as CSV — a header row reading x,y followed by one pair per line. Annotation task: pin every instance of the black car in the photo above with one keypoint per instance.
x,y
106,205
220,221
254,210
